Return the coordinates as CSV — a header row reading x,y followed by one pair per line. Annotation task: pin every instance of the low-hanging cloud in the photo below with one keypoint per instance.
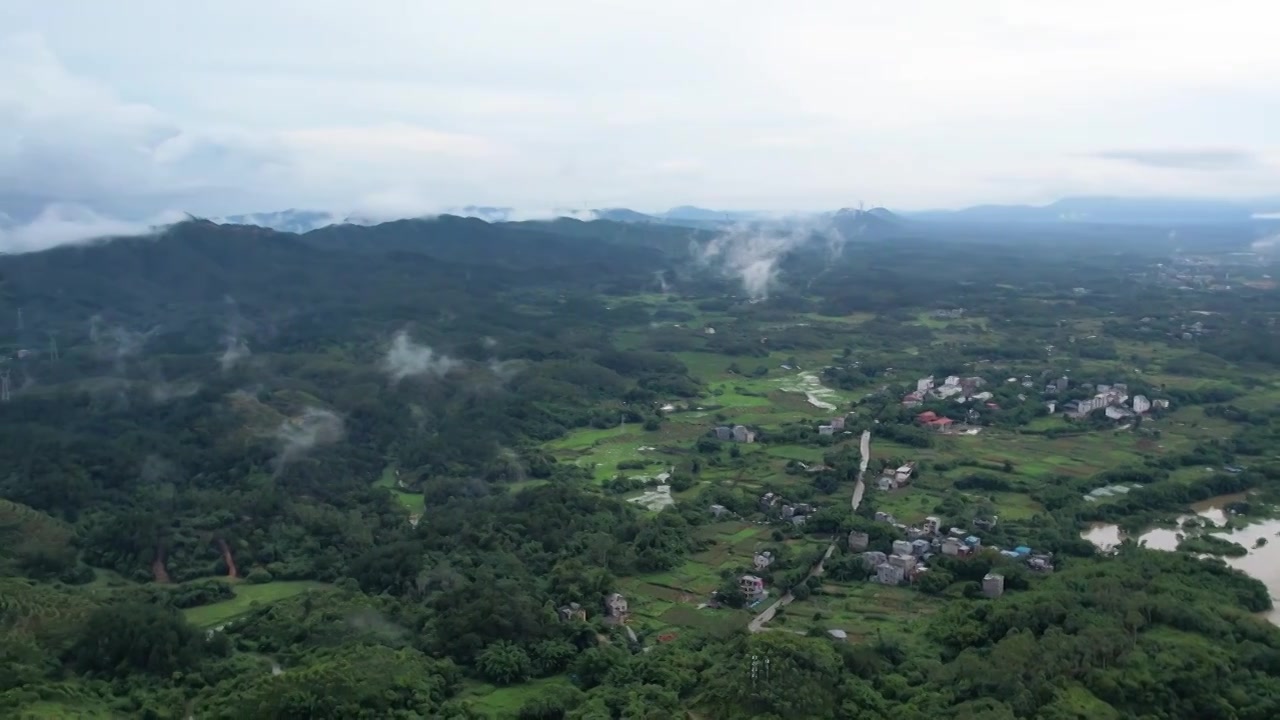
x,y
163,392
68,224
751,252
297,436
116,342
234,347
1268,245
406,358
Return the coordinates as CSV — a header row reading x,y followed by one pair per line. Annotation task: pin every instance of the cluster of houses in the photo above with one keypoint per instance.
x,y
772,503
894,478
1111,399
909,558
616,611
737,433
952,386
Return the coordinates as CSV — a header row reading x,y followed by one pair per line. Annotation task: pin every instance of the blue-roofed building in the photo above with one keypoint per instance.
x,y
1009,553
973,541
1022,550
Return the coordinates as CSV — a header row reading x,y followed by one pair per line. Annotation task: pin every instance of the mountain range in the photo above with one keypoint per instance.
x,y
1154,211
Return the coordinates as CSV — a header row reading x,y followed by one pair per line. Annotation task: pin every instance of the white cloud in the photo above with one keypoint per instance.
x,y
297,436
730,104
405,358
63,224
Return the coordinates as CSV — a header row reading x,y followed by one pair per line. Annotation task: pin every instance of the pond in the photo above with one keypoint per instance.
x,y
1262,563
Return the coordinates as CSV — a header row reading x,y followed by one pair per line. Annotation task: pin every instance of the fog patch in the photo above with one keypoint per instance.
x,y
406,358
234,347
297,436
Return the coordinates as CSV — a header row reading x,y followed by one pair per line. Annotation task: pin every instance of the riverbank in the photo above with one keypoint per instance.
x,y
1258,537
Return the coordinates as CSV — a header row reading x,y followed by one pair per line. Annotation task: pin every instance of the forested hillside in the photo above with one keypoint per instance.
x,y
350,474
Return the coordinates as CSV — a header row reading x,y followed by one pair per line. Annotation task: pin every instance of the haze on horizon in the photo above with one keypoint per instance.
x,y
118,114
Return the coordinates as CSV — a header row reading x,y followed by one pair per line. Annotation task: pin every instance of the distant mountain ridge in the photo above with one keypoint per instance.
x,y
1111,210
1101,210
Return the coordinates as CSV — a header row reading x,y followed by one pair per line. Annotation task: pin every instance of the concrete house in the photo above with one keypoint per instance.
x,y
887,574
723,433
837,423
762,560
906,562
767,501
826,430
572,611
751,586
993,585
615,607
874,558
986,523
901,547
902,476
718,510
858,541
920,547
1141,404
932,524
743,435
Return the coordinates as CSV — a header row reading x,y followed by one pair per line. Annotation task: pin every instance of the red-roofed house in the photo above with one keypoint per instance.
x,y
927,416
941,423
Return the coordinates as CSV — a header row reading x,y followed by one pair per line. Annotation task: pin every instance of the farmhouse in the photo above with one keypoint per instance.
x,y
751,586
615,607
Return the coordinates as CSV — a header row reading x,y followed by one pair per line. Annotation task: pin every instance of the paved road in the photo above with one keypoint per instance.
x,y
759,621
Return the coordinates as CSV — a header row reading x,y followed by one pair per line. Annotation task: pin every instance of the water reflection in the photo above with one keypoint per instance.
x,y
1262,562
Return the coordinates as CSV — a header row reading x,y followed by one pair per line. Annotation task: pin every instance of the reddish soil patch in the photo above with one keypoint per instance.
x,y
226,557
158,570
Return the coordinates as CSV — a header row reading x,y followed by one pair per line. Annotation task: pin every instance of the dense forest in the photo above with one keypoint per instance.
x,y
221,407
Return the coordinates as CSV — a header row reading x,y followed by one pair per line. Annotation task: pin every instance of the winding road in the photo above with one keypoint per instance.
x,y
859,488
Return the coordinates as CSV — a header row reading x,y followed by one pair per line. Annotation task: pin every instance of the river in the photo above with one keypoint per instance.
x,y
1262,563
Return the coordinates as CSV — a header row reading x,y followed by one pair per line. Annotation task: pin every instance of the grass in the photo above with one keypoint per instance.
x,y
604,449
413,502
247,596
861,609
504,702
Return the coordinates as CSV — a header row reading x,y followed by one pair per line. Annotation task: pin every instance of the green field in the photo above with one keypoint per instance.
x,y
413,502
247,596
505,702
862,610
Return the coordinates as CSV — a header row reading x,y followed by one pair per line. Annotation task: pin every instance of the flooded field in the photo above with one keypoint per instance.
x,y
1261,562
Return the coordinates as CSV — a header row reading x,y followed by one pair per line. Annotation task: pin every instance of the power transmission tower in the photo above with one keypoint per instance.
x,y
53,346
4,385
19,319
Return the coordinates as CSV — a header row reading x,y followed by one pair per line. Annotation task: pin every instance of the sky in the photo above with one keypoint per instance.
x,y
116,114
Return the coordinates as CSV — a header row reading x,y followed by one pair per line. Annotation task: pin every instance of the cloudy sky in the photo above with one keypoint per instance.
x,y
139,109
